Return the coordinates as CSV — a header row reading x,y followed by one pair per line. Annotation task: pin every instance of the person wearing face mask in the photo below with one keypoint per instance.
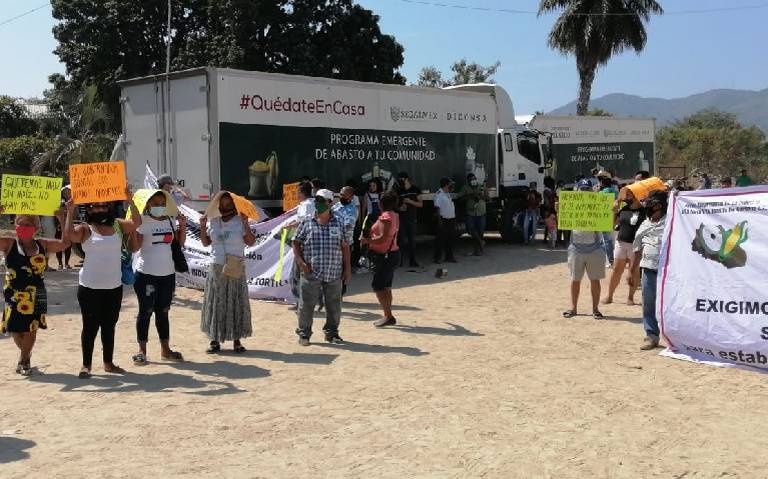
x,y
100,292
409,207
347,211
475,195
628,220
226,311
24,286
321,250
155,271
647,246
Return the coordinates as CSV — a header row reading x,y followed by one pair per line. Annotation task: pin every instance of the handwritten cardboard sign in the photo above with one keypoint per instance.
x,y
585,211
98,182
291,196
30,195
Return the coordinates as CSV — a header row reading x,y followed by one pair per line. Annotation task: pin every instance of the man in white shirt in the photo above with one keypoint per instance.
x,y
446,222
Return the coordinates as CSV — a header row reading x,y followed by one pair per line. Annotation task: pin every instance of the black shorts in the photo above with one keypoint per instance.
x,y
385,270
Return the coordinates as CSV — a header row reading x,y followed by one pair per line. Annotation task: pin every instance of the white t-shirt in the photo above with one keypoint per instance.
x,y
306,209
154,257
445,203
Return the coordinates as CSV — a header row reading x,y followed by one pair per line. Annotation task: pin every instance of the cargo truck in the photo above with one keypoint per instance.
x,y
252,132
580,144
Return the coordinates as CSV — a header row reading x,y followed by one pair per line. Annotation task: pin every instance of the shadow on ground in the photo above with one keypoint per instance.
x,y
14,449
374,348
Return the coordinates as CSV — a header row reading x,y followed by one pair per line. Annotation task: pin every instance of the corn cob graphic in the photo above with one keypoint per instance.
x,y
731,239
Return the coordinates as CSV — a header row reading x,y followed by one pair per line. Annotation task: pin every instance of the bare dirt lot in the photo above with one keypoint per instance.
x,y
481,378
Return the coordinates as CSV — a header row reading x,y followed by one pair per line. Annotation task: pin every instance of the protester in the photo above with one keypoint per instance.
x,y
446,222
322,252
66,195
226,311
475,195
647,247
305,210
531,218
642,175
629,219
706,183
369,214
345,209
743,179
383,243
726,182
165,182
100,292
585,254
155,271
26,301
549,198
563,236
606,186
408,209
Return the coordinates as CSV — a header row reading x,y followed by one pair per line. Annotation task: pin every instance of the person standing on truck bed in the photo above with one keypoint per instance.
x,y
409,205
446,222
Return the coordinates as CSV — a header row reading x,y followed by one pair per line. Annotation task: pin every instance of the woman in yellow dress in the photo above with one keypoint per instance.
x,y
24,288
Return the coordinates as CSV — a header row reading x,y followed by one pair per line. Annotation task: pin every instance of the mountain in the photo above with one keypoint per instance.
x,y
751,107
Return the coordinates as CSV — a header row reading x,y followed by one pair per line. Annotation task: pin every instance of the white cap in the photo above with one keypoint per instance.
x,y
327,194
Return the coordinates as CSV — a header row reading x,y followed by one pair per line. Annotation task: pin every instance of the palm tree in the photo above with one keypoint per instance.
x,y
594,31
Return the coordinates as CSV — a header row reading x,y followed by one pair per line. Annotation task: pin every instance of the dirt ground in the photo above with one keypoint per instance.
x,y
481,378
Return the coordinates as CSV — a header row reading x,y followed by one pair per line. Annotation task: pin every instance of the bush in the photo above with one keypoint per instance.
x,y
16,154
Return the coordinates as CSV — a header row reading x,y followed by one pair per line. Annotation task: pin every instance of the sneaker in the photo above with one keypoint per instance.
x,y
385,322
334,338
303,341
649,343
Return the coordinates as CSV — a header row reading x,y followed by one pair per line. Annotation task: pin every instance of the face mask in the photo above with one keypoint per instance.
x,y
102,217
345,201
25,232
321,206
157,211
473,182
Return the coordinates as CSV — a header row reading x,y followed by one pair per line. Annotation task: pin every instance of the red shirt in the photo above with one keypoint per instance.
x,y
390,244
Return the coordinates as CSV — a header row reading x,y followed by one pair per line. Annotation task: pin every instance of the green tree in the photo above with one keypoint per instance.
x,y
17,153
715,142
14,119
599,112
464,73
594,31
103,41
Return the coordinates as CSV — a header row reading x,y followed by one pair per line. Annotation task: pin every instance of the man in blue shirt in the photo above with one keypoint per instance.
x,y
322,252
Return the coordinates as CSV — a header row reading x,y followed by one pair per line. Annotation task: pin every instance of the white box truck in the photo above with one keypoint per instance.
x,y
252,132
623,146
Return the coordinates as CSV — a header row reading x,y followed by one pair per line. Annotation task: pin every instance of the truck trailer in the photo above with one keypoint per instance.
x,y
252,132
580,144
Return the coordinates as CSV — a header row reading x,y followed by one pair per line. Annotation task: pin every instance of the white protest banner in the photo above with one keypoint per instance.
x,y
713,278
262,260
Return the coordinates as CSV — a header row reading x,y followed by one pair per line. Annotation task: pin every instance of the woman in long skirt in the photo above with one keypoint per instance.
x,y
226,313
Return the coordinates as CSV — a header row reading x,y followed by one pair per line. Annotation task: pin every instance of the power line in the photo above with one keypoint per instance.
x,y
24,14
534,12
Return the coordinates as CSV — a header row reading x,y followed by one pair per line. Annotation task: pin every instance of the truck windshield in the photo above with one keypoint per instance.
x,y
529,148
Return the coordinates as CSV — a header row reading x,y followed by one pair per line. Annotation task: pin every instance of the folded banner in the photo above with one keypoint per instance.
x,y
713,277
262,260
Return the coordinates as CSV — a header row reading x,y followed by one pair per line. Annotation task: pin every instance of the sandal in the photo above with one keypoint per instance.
x,y
85,373
139,359
213,348
597,315
174,356
239,348
569,314
26,370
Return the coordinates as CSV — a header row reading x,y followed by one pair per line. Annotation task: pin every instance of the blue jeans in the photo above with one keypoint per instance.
x,y
608,246
530,222
649,303
311,291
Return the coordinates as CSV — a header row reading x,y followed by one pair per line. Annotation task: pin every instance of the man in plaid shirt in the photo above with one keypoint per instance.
x,y
322,252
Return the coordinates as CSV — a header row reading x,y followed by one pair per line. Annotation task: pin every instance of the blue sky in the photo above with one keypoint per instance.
x,y
685,54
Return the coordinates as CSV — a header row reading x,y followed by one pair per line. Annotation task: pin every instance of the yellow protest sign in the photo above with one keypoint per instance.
x,y
98,182
585,211
291,196
242,205
140,198
30,195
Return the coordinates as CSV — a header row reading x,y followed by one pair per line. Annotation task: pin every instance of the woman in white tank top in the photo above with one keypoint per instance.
x,y
100,292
